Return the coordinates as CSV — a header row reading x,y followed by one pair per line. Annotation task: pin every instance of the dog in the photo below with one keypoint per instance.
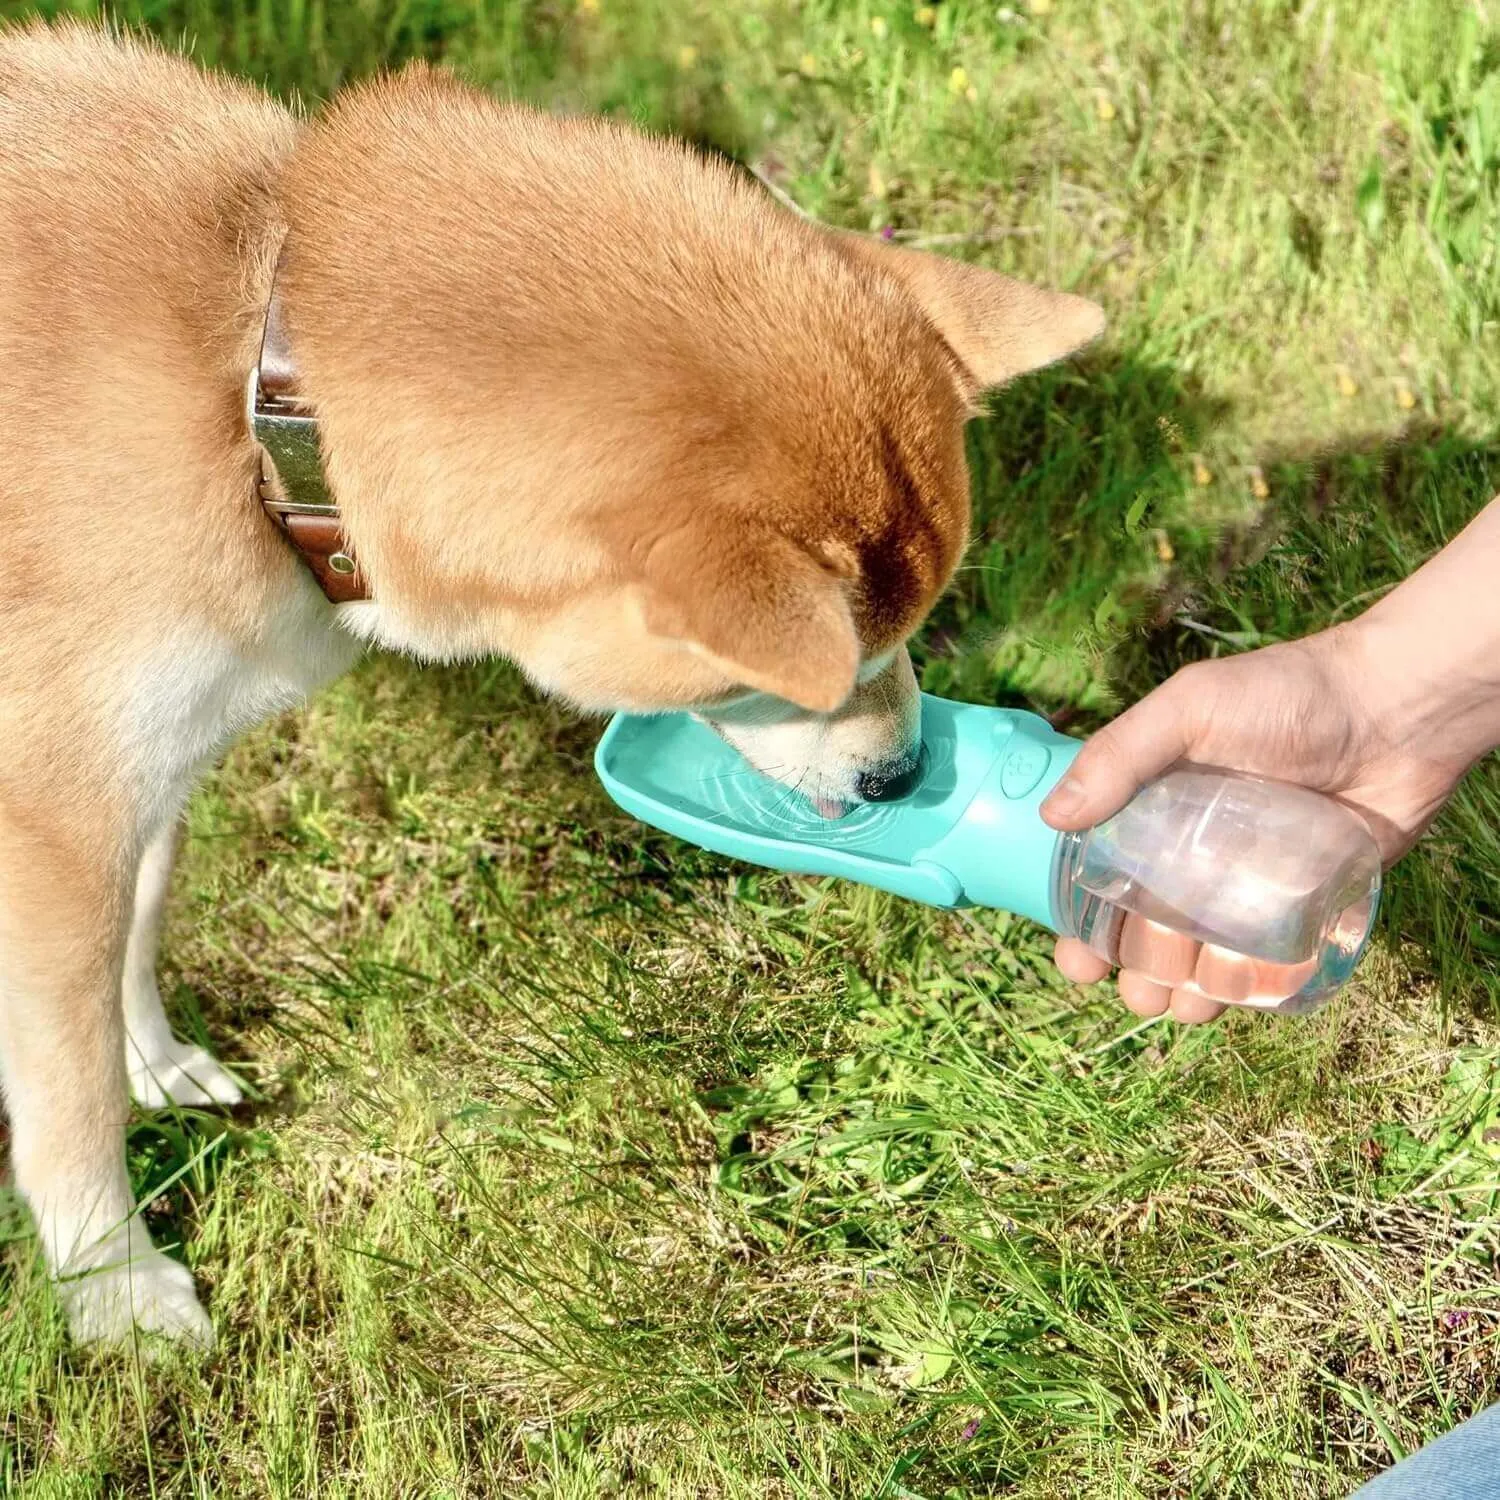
x,y
441,374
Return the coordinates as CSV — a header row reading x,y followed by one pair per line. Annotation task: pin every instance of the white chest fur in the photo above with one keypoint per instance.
x,y
198,689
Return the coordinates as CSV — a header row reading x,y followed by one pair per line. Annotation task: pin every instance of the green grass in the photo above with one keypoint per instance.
x,y
583,1164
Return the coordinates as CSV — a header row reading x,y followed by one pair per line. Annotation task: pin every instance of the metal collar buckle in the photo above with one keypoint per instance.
x,y
295,492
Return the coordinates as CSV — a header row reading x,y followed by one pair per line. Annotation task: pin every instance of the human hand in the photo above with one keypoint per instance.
x,y
1335,712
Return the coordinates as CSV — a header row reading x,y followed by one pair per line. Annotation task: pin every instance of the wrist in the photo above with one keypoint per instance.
x,y
1429,654
1422,691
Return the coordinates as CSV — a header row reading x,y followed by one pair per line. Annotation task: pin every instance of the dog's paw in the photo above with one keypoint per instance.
x,y
180,1074
143,1292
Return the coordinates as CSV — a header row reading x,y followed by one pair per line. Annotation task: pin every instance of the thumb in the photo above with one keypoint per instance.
x,y
1118,761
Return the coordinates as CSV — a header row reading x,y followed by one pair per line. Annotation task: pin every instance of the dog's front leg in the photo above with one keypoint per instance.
x,y
162,1070
62,939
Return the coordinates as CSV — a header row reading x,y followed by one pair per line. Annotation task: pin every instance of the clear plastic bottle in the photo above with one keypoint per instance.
x,y
1279,884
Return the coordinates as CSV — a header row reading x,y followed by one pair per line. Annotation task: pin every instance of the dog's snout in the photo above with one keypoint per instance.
x,y
888,782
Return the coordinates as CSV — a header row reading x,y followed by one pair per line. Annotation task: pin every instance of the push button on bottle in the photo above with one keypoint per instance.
x,y
1025,766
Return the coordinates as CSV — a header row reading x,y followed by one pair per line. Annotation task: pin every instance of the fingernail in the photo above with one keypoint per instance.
x,y
1064,799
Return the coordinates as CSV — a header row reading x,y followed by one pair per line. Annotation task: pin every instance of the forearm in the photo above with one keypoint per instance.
x,y
1430,650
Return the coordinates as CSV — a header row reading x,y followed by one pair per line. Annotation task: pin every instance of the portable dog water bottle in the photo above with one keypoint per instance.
x,y
1278,884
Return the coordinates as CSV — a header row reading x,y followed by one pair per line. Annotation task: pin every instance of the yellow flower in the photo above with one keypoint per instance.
x,y
1202,474
1040,7
808,66
686,57
1258,486
1104,106
1346,385
925,15
589,7
877,182
1404,398
958,81
878,28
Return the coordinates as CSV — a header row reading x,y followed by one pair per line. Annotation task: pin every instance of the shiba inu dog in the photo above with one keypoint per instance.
x,y
443,374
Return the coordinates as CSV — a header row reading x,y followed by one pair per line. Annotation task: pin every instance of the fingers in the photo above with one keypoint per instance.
x,y
1115,763
1142,995
1192,1007
1079,964
1231,976
1173,961
1187,1004
1165,971
1165,956
1157,963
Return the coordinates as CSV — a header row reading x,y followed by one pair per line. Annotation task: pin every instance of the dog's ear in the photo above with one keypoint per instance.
x,y
760,608
998,328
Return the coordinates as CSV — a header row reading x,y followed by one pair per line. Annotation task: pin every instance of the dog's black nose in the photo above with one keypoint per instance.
x,y
888,782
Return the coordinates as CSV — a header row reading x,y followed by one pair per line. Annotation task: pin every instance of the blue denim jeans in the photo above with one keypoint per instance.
x,y
1462,1465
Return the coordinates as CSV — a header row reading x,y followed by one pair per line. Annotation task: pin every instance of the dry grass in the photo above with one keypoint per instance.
x,y
581,1163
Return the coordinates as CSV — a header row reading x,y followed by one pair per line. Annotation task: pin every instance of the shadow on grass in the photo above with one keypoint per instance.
x,y
176,1158
1074,472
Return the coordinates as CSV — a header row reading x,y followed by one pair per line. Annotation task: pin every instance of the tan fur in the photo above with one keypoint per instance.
x,y
588,401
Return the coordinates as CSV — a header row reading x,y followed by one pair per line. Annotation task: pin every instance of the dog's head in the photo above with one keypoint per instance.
x,y
600,405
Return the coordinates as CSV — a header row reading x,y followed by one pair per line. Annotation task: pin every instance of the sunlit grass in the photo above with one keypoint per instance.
x,y
581,1163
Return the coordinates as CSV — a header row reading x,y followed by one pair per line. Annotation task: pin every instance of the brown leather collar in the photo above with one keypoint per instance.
x,y
291,484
